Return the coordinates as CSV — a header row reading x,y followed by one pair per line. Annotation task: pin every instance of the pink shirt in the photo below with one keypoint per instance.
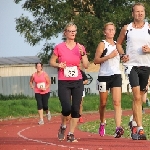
x,y
40,79
71,57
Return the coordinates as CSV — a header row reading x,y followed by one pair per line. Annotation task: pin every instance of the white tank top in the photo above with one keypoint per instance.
x,y
110,66
136,38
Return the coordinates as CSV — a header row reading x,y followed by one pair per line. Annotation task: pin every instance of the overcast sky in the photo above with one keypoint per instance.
x,y
11,42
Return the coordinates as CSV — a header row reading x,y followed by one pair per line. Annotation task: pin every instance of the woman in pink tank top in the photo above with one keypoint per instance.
x,y
70,84
41,88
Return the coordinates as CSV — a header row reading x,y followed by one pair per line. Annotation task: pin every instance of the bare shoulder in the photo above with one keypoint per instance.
x,y
124,28
149,25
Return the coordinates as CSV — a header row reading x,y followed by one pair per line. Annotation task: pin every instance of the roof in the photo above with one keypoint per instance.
x,y
19,60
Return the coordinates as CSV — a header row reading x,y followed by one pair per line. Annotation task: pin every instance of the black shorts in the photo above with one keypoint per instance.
x,y
111,81
139,77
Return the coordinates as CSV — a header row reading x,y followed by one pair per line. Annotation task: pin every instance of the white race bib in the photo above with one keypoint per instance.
x,y
71,71
101,86
127,69
41,85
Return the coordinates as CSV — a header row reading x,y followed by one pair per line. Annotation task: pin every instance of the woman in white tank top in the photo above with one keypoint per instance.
x,y
109,77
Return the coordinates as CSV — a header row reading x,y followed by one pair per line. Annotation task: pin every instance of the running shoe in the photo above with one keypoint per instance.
x,y
139,136
119,132
102,130
61,133
41,122
71,138
81,120
48,116
133,129
147,102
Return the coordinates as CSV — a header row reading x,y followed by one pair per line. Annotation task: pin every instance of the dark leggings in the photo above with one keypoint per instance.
x,y
66,89
42,100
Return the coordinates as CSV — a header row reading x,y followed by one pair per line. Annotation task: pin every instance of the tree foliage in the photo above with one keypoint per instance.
x,y
50,17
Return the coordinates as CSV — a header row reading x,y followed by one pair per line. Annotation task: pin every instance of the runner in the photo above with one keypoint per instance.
x,y
137,62
109,77
42,91
70,83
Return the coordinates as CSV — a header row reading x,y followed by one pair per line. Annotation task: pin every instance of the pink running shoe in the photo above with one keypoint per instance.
x,y
102,130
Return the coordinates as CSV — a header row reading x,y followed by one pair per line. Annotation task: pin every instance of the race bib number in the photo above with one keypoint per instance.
x,y
127,69
71,71
41,85
101,86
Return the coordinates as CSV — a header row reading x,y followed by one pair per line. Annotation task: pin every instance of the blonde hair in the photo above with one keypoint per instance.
x,y
137,4
108,23
68,25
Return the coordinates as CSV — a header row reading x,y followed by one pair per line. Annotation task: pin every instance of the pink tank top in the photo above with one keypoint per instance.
x,y
40,81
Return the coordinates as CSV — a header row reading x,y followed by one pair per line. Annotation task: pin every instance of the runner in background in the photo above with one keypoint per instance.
x,y
40,83
85,81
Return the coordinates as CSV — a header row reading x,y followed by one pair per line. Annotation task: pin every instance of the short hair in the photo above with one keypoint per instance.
x,y
137,4
39,63
69,24
108,23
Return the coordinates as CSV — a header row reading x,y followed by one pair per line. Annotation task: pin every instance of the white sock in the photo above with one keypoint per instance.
x,y
131,118
139,128
134,124
70,133
63,126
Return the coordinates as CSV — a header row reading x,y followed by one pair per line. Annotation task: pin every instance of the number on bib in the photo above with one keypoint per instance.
x,y
71,71
101,86
41,85
127,69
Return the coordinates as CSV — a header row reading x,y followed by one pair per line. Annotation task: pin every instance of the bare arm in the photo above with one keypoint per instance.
x,y
53,61
98,59
85,82
121,39
48,81
31,82
85,61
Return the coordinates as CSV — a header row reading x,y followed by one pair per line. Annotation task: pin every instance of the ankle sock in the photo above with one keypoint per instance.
x,y
70,133
63,126
134,124
139,128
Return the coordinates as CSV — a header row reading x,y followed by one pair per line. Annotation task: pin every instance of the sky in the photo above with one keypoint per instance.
x,y
11,42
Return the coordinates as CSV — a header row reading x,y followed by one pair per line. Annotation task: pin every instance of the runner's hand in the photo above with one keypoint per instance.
x,y
113,54
145,49
62,65
125,58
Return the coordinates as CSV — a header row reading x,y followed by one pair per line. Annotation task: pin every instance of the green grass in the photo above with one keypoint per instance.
x,y
110,127
21,106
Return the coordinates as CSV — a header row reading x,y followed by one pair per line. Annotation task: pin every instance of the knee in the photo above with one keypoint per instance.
x,y
137,98
75,114
66,112
102,104
45,108
117,103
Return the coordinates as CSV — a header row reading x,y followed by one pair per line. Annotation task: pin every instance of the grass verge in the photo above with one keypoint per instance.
x,y
110,127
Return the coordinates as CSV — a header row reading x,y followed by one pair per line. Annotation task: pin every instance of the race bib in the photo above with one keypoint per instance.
x,y
41,85
127,69
101,86
71,71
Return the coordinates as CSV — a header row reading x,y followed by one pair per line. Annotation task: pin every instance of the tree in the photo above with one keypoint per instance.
x,y
50,17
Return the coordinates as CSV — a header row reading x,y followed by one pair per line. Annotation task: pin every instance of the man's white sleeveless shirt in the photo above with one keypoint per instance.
x,y
135,39
110,66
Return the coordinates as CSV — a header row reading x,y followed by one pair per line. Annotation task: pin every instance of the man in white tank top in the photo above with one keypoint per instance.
x,y
137,63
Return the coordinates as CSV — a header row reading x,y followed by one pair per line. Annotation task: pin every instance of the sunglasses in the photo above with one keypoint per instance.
x,y
72,31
